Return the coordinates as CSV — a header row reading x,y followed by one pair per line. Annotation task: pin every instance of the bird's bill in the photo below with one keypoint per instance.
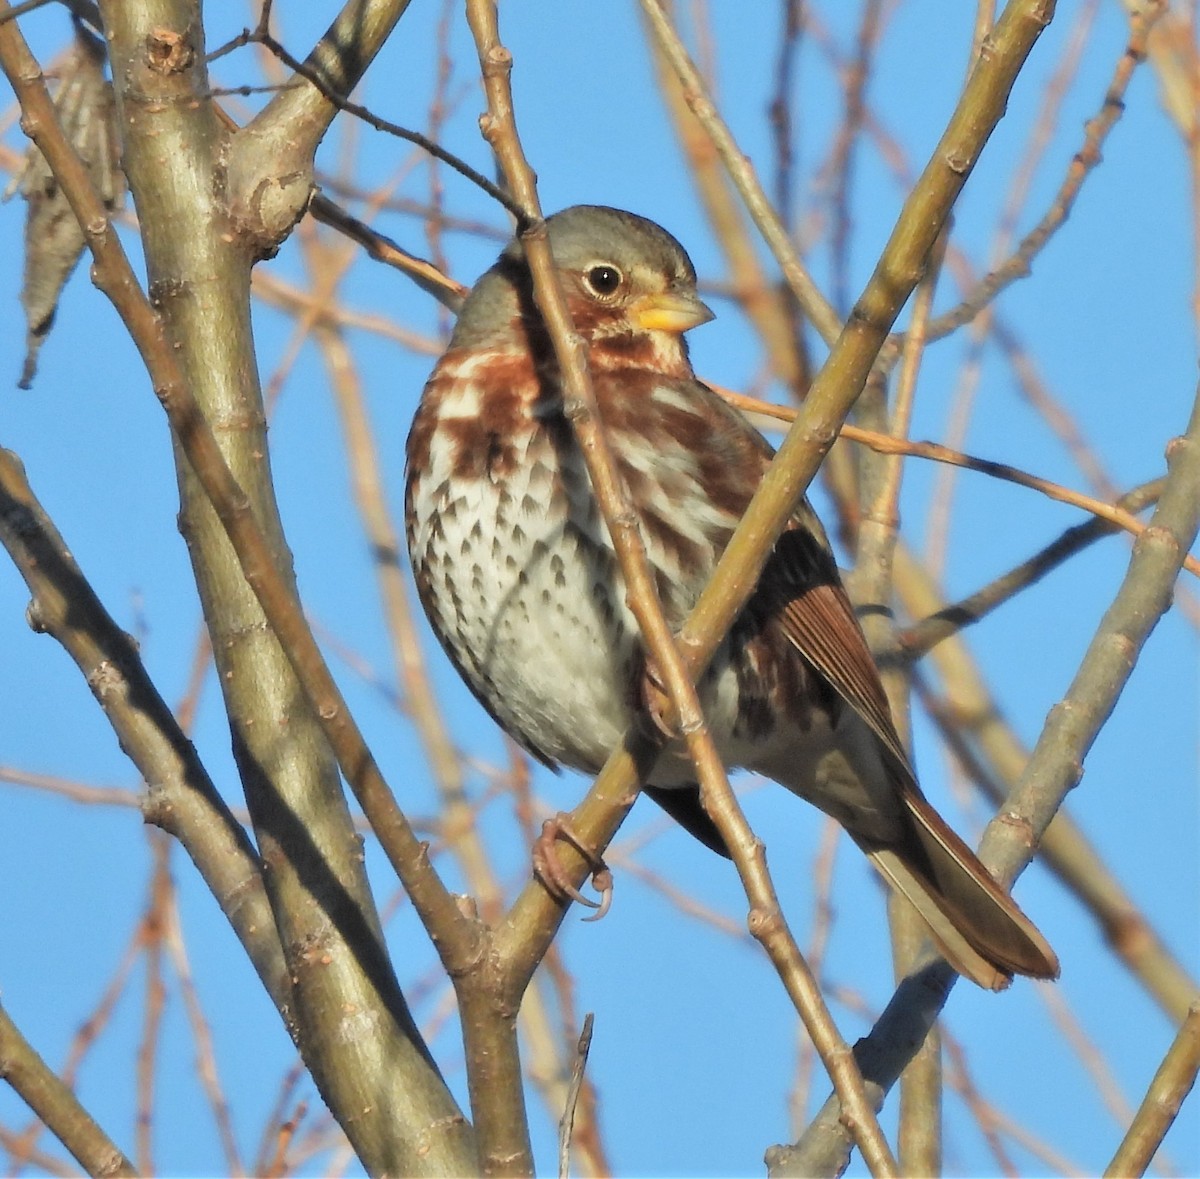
x,y
669,312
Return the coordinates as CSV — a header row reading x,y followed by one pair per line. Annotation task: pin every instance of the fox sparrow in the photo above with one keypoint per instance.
x,y
516,570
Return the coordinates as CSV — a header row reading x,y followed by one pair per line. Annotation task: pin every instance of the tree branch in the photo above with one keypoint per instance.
x,y
359,1040
36,1084
270,162
1053,769
180,796
1172,1083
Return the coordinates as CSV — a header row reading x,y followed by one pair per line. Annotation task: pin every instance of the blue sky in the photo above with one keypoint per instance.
x,y
695,1042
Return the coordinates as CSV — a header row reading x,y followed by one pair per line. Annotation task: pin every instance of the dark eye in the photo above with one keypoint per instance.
x,y
603,280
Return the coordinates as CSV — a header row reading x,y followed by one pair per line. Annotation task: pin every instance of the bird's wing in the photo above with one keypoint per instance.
x,y
801,590
801,585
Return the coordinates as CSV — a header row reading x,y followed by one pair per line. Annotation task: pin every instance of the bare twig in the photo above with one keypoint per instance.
x,y
1053,768
768,306
920,638
566,1124
43,1159
919,1133
812,302
425,274
1172,1083
1018,265
154,1002
963,401
1144,596
823,921
975,731
854,81
1113,514
79,792
354,977
56,1105
303,114
206,1059
278,1164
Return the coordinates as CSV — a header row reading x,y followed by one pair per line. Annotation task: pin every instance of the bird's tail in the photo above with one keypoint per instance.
x,y
976,924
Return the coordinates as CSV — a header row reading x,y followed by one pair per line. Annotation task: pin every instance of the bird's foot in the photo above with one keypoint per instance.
x,y
553,875
657,705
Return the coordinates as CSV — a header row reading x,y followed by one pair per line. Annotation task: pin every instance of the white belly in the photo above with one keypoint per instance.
x,y
515,573
517,570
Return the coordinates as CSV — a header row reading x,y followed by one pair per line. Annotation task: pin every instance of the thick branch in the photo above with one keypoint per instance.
x,y
357,1036
180,797
270,167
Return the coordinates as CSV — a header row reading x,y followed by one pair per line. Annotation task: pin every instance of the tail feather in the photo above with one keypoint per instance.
x,y
977,925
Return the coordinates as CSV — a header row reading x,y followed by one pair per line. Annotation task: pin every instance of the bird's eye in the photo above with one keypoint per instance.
x,y
603,280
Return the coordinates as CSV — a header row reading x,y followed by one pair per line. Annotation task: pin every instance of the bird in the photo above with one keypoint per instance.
x,y
516,570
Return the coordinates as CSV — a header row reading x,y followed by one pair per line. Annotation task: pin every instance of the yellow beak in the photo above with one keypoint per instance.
x,y
669,312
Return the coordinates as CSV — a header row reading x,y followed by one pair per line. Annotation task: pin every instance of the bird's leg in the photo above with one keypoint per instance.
x,y
656,701
549,869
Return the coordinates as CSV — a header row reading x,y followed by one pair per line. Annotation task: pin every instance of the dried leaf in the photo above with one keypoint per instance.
x,y
54,240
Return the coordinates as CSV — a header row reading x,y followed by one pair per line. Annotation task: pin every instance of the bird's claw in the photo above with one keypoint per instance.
x,y
656,702
553,875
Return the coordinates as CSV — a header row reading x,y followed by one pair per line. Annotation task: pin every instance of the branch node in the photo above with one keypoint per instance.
x,y
169,52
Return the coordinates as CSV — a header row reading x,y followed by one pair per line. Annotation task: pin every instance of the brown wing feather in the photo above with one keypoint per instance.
x,y
817,617
982,931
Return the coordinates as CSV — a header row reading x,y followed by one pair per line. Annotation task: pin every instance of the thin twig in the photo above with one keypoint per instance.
x,y
1056,762
429,277
42,1159
812,302
278,1164
823,921
336,906
154,1002
79,792
1172,1083
19,10
1115,516
919,1133
919,639
1019,264
854,81
206,1058
566,1123
57,1105
422,210
86,1037
315,77
768,306
115,276
963,400
781,106
1091,1058
182,797
973,728
277,292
